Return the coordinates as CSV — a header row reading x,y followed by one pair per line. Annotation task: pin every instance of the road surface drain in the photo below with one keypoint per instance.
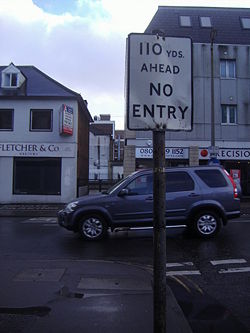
x,y
32,310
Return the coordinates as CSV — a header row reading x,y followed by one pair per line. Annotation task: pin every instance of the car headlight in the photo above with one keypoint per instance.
x,y
71,206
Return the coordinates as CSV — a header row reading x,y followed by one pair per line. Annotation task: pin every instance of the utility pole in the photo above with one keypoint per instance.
x,y
212,152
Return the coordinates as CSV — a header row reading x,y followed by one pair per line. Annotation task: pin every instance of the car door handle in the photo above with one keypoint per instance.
x,y
192,195
150,198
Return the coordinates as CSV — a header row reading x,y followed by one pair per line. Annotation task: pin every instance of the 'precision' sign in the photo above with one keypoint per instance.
x,y
159,83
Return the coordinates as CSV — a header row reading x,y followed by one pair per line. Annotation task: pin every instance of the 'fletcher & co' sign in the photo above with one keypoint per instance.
x,y
37,149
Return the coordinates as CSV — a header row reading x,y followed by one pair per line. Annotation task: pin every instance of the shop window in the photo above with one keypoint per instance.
x,y
227,68
229,114
38,176
6,119
41,120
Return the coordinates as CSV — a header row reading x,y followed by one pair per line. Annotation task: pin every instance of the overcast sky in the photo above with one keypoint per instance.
x,y
81,43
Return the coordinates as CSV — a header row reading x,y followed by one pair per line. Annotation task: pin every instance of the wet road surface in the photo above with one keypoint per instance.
x,y
210,279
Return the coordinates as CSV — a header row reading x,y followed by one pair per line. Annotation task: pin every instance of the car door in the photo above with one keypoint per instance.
x,y
134,208
181,194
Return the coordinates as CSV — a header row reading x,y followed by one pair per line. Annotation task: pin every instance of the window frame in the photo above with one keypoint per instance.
x,y
185,21
12,121
245,23
8,80
227,68
32,112
203,24
227,107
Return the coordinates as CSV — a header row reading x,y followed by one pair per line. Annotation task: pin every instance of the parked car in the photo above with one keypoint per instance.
x,y
203,198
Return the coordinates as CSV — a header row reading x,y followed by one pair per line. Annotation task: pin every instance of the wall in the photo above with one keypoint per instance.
x,y
226,91
83,147
21,134
99,156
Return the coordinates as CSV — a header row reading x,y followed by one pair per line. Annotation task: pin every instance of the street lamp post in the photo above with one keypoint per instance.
x,y
212,152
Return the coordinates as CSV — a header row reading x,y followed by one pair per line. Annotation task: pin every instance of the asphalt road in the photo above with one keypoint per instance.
x,y
210,279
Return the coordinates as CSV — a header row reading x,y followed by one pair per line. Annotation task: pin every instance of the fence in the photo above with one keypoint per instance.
x,y
91,185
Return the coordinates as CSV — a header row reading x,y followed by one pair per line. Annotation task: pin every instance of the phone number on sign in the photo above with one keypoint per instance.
x,y
169,152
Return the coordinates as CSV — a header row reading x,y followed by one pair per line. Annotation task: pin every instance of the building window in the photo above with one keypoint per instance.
x,y
6,119
185,21
10,80
227,68
40,120
245,22
229,114
38,176
205,22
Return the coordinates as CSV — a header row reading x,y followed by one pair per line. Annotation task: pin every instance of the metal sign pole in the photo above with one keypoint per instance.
x,y
159,232
159,98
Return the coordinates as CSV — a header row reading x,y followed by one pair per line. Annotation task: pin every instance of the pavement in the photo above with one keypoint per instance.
x,y
92,296
30,210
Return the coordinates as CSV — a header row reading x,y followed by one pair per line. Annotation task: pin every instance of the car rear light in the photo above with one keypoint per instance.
x,y
233,183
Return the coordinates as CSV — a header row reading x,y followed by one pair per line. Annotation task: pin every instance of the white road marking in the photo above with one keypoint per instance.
x,y
228,261
175,273
235,270
177,264
52,220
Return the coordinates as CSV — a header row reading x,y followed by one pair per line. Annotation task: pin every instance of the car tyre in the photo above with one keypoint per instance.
x,y
206,224
93,227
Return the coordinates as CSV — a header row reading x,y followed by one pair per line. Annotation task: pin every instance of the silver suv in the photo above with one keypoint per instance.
x,y
202,198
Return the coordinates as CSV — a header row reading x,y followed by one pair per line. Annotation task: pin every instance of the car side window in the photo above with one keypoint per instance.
x,y
179,181
212,178
141,185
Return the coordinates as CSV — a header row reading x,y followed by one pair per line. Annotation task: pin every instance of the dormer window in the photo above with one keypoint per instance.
x,y
12,77
10,80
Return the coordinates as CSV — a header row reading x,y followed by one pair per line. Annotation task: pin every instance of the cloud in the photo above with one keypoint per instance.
x,y
68,48
80,43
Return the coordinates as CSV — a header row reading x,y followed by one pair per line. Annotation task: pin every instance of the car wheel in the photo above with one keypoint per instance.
x,y
93,227
207,224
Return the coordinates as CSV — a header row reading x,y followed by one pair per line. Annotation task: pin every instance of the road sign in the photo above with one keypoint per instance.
x,y
214,151
159,83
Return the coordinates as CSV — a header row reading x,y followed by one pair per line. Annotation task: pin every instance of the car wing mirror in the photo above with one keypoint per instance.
x,y
123,192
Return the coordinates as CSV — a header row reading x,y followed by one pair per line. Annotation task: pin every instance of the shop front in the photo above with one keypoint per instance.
x,y
37,172
175,156
236,161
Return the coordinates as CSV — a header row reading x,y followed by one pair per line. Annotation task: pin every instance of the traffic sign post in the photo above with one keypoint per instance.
x,y
159,98
159,232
